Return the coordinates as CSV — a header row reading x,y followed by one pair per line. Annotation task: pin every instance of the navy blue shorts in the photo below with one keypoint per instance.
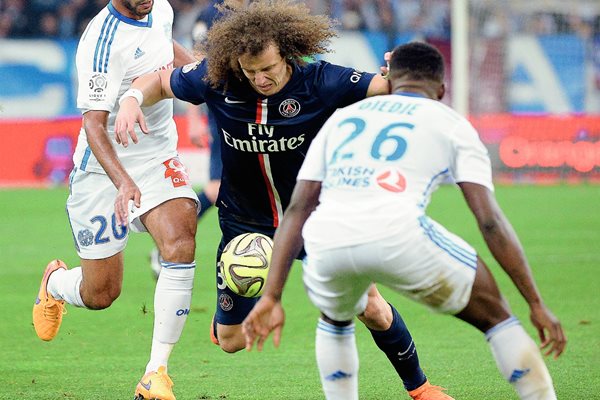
x,y
233,308
215,164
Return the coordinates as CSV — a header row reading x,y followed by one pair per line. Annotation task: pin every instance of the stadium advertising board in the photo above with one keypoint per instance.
x,y
39,152
542,148
527,149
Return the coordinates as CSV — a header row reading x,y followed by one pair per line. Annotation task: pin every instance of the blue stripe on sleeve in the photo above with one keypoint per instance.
x,y
112,37
104,46
100,41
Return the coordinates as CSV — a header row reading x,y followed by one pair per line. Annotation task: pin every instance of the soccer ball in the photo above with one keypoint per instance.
x,y
245,263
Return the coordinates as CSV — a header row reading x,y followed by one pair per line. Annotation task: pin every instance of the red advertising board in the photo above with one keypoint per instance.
x,y
39,152
542,148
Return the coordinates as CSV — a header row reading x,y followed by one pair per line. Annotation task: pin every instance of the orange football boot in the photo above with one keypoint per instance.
x,y
155,385
427,391
47,311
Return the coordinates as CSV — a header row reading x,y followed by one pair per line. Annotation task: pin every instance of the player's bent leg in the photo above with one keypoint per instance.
x,y
517,356
94,285
378,315
101,281
172,225
230,338
337,358
392,336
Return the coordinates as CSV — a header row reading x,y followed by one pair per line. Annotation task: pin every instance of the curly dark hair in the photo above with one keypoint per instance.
x,y
252,28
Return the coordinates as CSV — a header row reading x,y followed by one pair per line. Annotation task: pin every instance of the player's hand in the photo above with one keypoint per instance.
x,y
266,316
128,193
129,113
385,70
552,336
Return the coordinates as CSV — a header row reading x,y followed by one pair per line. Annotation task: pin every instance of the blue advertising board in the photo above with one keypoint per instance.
x,y
544,74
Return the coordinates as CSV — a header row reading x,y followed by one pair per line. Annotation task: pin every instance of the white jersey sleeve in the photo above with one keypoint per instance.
x,y
471,159
99,80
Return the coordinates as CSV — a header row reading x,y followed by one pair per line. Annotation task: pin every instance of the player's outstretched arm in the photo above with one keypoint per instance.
x,y
145,91
506,248
267,315
94,123
380,84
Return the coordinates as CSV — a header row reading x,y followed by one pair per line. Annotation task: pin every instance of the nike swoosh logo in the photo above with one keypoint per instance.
x,y
146,386
229,101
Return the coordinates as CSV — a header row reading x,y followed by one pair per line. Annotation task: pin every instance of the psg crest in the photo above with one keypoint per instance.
x,y
289,108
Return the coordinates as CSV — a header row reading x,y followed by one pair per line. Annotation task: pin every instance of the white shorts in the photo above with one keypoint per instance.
x,y
91,205
426,263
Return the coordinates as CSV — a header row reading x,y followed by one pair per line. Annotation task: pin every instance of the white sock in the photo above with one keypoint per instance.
x,y
337,358
172,300
64,285
520,361
159,355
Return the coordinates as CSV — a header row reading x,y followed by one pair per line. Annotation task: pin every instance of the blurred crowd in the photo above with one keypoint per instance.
x,y
427,18
496,19
68,18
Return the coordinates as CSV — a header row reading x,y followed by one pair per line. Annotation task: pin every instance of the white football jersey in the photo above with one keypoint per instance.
x,y
112,52
379,161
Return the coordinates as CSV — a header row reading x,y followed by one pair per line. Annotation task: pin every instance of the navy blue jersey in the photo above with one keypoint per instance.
x,y
264,139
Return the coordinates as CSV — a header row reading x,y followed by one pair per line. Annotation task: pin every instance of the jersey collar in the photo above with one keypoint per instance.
x,y
410,94
130,21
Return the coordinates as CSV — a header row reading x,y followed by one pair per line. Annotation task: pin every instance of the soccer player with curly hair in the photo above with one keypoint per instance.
x,y
269,104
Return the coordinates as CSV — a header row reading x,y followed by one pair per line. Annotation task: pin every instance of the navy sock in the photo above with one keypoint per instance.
x,y
398,346
205,204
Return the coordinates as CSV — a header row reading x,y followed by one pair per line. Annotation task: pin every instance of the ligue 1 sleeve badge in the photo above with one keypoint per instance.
x,y
289,108
98,83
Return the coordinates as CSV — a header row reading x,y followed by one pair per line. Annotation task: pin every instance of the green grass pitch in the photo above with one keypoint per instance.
x,y
102,354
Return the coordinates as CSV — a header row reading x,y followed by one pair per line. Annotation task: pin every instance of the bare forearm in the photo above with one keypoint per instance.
x,y
288,237
154,87
104,152
501,238
287,244
504,244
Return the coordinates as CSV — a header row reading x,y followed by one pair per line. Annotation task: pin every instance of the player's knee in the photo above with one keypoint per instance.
x,y
377,316
99,295
231,345
179,250
102,300
231,339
